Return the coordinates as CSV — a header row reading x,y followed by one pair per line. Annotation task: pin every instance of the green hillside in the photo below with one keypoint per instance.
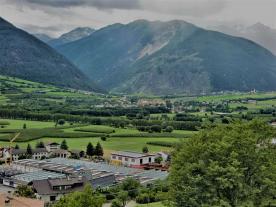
x,y
171,58
26,57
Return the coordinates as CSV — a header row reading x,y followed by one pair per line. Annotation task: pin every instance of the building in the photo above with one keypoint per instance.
x,y
40,153
37,154
51,190
151,102
132,159
60,153
52,146
165,156
8,200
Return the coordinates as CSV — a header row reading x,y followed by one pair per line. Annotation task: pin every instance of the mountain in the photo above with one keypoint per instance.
x,y
71,36
173,57
24,56
258,33
43,37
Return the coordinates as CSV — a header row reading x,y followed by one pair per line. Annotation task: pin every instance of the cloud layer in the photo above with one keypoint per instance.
x,y
58,16
187,7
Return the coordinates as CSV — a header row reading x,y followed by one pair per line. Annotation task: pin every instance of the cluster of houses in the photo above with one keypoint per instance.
x,y
50,150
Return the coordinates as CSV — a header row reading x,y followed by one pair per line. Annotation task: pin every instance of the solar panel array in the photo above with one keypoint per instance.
x,y
38,175
150,174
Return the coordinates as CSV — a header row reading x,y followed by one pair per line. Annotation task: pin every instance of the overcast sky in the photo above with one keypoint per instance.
x,y
55,17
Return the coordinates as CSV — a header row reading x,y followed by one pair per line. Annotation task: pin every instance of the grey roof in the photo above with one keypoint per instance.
x,y
103,181
117,170
39,150
43,187
67,181
38,175
19,151
131,154
53,143
24,151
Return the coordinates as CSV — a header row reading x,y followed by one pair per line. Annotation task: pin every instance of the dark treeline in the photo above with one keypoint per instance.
x,y
120,111
112,121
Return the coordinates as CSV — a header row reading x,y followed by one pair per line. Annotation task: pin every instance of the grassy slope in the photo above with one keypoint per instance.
x,y
112,143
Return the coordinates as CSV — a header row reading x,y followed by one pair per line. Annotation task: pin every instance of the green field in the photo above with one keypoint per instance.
x,y
129,140
18,124
112,144
236,96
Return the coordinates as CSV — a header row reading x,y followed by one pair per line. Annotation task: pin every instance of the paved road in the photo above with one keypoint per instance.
x,y
5,189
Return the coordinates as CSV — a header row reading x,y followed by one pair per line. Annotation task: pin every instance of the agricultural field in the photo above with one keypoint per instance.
x,y
33,110
78,137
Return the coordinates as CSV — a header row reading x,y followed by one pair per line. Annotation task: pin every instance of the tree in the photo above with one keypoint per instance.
x,y
158,160
29,150
121,199
40,145
131,186
90,149
82,153
87,198
229,165
169,129
60,122
16,146
145,149
24,126
104,138
156,128
99,150
64,145
24,191
116,203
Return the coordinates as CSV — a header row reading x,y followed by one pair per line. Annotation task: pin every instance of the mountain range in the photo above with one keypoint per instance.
x,y
24,56
258,33
71,36
172,57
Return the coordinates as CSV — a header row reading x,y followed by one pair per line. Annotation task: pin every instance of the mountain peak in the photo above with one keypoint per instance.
x,y
71,36
259,26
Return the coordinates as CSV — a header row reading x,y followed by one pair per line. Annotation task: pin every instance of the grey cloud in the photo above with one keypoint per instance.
x,y
179,7
195,8
100,4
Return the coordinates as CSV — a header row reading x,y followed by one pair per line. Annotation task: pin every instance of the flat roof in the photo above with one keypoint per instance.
x,y
38,175
131,154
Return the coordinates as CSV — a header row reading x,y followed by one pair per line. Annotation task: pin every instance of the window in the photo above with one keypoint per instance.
x,y
126,159
119,158
52,198
113,157
132,160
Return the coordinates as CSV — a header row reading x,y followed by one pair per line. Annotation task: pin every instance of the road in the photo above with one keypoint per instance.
x,y
5,189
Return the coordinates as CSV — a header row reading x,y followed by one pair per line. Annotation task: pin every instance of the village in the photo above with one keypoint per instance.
x,y
52,173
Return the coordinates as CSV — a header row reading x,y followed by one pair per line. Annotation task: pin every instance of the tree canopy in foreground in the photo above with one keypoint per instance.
x,y
87,198
229,165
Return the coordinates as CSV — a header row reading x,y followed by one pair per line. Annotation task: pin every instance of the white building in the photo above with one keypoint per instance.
x,y
37,154
131,158
52,146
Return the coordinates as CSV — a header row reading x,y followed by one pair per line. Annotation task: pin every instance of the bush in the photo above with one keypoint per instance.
x,y
169,129
156,128
4,123
162,143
